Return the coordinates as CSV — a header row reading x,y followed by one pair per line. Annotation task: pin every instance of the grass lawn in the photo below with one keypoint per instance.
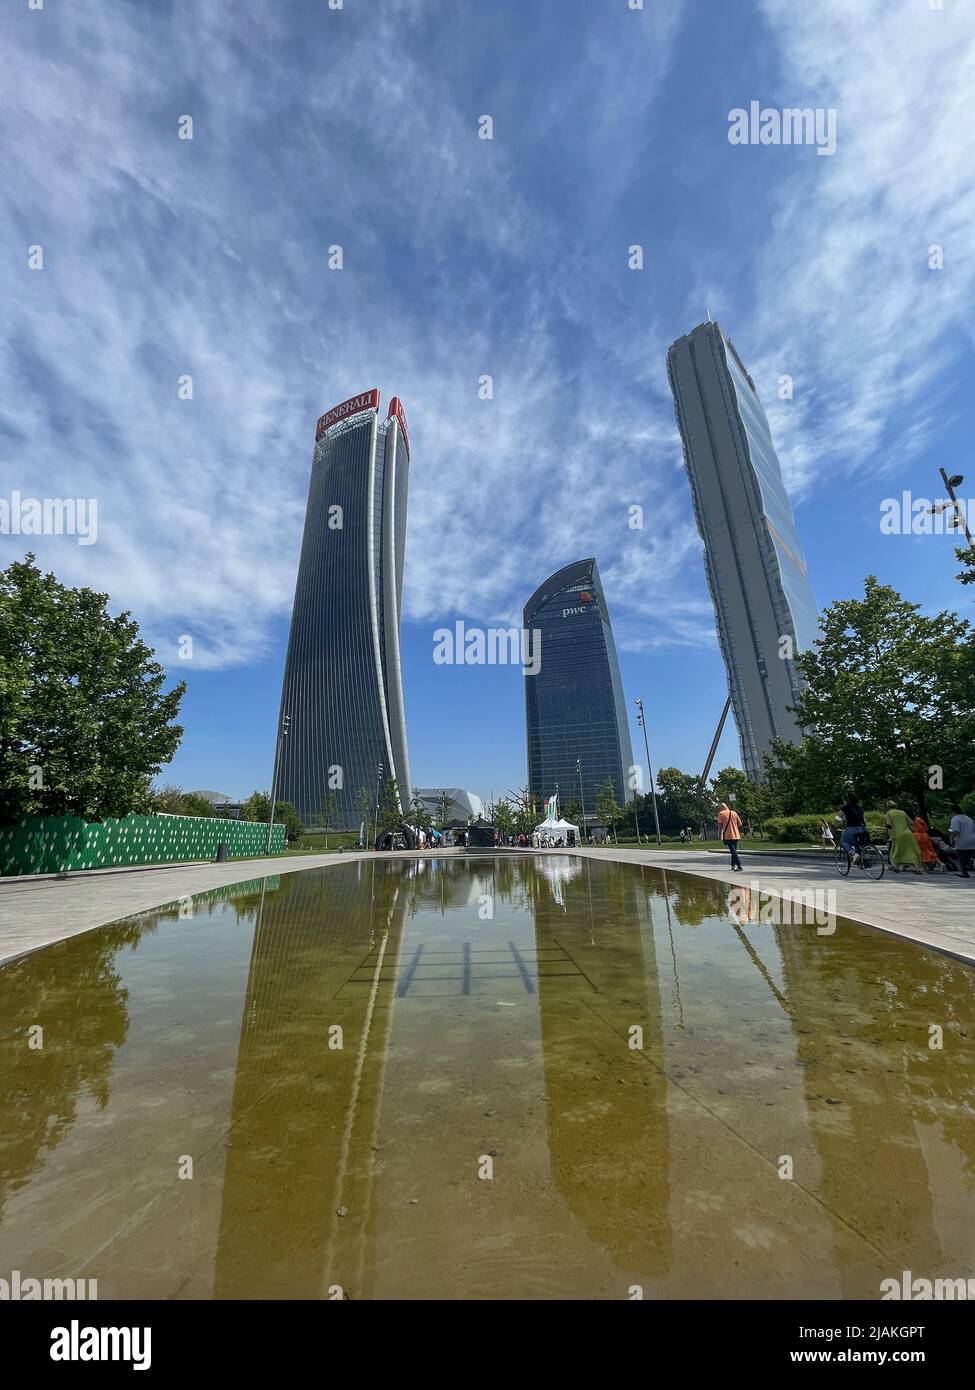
x,y
717,847
315,844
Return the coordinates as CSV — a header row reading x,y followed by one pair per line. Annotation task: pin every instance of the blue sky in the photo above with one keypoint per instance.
x,y
462,257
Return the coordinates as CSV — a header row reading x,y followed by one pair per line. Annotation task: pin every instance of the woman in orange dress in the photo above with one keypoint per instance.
x,y
929,855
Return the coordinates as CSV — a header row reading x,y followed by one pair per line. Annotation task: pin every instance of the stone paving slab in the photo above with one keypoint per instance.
x,y
39,910
937,911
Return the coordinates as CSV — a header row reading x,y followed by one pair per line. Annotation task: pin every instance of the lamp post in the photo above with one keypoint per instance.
x,y
958,511
282,732
582,799
379,778
642,721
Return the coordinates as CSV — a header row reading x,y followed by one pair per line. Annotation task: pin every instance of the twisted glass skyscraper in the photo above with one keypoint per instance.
x,y
574,705
342,688
763,602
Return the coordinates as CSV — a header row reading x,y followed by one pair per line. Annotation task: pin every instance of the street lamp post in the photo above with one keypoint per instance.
x,y
379,778
582,798
282,732
958,510
642,721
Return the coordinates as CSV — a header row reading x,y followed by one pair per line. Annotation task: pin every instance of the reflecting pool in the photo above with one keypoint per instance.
x,y
519,1077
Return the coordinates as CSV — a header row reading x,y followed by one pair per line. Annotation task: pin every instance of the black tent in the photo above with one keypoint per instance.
x,y
402,832
480,835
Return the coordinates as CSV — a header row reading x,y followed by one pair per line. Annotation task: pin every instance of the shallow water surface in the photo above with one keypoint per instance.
x,y
489,1077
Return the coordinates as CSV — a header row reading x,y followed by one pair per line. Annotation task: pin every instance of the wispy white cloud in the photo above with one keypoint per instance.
x,y
207,257
846,301
165,257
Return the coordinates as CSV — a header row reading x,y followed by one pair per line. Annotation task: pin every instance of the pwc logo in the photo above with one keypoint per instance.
x,y
570,612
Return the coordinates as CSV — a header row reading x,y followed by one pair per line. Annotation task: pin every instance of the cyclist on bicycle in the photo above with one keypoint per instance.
x,y
856,826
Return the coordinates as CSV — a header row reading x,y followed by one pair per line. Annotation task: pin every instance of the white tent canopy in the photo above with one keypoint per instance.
x,y
556,829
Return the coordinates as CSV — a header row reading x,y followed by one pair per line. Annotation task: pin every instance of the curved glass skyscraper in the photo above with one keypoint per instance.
x,y
342,688
763,602
574,705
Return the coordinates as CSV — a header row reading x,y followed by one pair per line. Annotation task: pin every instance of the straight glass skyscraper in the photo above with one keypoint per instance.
x,y
342,688
764,608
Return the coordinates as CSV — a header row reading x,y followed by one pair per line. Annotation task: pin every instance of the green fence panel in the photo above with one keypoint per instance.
x,y
48,845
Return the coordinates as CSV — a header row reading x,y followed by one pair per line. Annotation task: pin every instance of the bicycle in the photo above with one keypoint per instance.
x,y
866,857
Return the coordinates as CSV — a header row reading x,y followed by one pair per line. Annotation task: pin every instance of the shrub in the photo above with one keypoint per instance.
x,y
805,829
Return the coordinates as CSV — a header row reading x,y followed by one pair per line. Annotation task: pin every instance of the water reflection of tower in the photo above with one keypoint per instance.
x,y
860,1026
608,1143
304,1115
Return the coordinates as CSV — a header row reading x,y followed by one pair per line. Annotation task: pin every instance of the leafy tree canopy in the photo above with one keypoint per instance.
x,y
257,807
888,708
84,721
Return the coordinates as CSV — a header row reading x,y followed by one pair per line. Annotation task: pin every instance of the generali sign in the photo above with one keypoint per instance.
x,y
369,400
397,412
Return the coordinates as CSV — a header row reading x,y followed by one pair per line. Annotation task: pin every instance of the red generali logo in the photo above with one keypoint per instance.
x,y
368,400
397,412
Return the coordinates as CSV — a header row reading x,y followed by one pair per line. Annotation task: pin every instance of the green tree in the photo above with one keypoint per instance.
x,y
293,828
762,803
608,808
418,814
888,707
173,801
367,811
753,801
679,800
169,799
572,811
524,809
330,814
390,814
257,807
504,815
84,721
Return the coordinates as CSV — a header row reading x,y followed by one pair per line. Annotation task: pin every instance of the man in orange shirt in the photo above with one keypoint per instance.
x,y
729,823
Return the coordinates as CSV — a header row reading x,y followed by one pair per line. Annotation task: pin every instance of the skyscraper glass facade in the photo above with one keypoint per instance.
x,y
574,705
764,607
342,688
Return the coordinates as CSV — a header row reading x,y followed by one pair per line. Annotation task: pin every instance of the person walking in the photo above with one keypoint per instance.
x,y
941,841
929,855
904,852
729,826
826,833
962,832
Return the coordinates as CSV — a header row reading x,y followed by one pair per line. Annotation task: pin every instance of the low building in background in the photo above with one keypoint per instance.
x,y
461,805
222,805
